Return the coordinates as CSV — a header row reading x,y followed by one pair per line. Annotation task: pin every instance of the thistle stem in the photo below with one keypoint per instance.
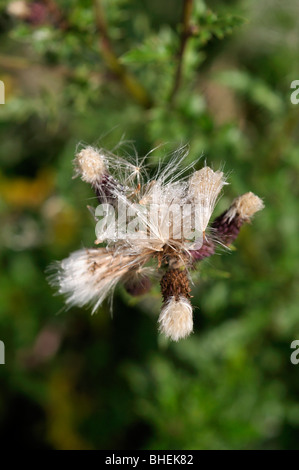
x,y
185,35
130,83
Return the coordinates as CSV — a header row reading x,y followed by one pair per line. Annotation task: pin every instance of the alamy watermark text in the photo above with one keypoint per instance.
x,y
2,92
2,353
295,94
295,354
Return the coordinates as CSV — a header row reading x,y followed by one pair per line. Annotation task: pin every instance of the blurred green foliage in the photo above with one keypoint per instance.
x,y
76,381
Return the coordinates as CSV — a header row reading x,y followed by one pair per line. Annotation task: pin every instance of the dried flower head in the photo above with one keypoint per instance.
x,y
244,207
143,221
204,187
90,164
176,318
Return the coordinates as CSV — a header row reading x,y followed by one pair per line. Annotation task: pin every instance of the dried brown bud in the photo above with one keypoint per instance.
x,y
228,224
175,283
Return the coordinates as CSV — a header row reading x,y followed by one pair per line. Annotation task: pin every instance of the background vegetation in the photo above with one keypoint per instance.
x,y
215,75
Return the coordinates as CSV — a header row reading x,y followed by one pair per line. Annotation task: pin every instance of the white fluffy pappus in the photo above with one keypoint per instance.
x,y
90,164
160,205
176,319
205,186
245,206
135,242
87,276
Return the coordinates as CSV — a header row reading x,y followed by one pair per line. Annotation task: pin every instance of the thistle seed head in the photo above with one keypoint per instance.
x,y
175,320
245,207
150,227
175,283
204,188
90,164
87,276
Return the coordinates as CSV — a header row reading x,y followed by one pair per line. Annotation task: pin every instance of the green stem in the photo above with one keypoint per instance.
x,y
185,35
135,89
